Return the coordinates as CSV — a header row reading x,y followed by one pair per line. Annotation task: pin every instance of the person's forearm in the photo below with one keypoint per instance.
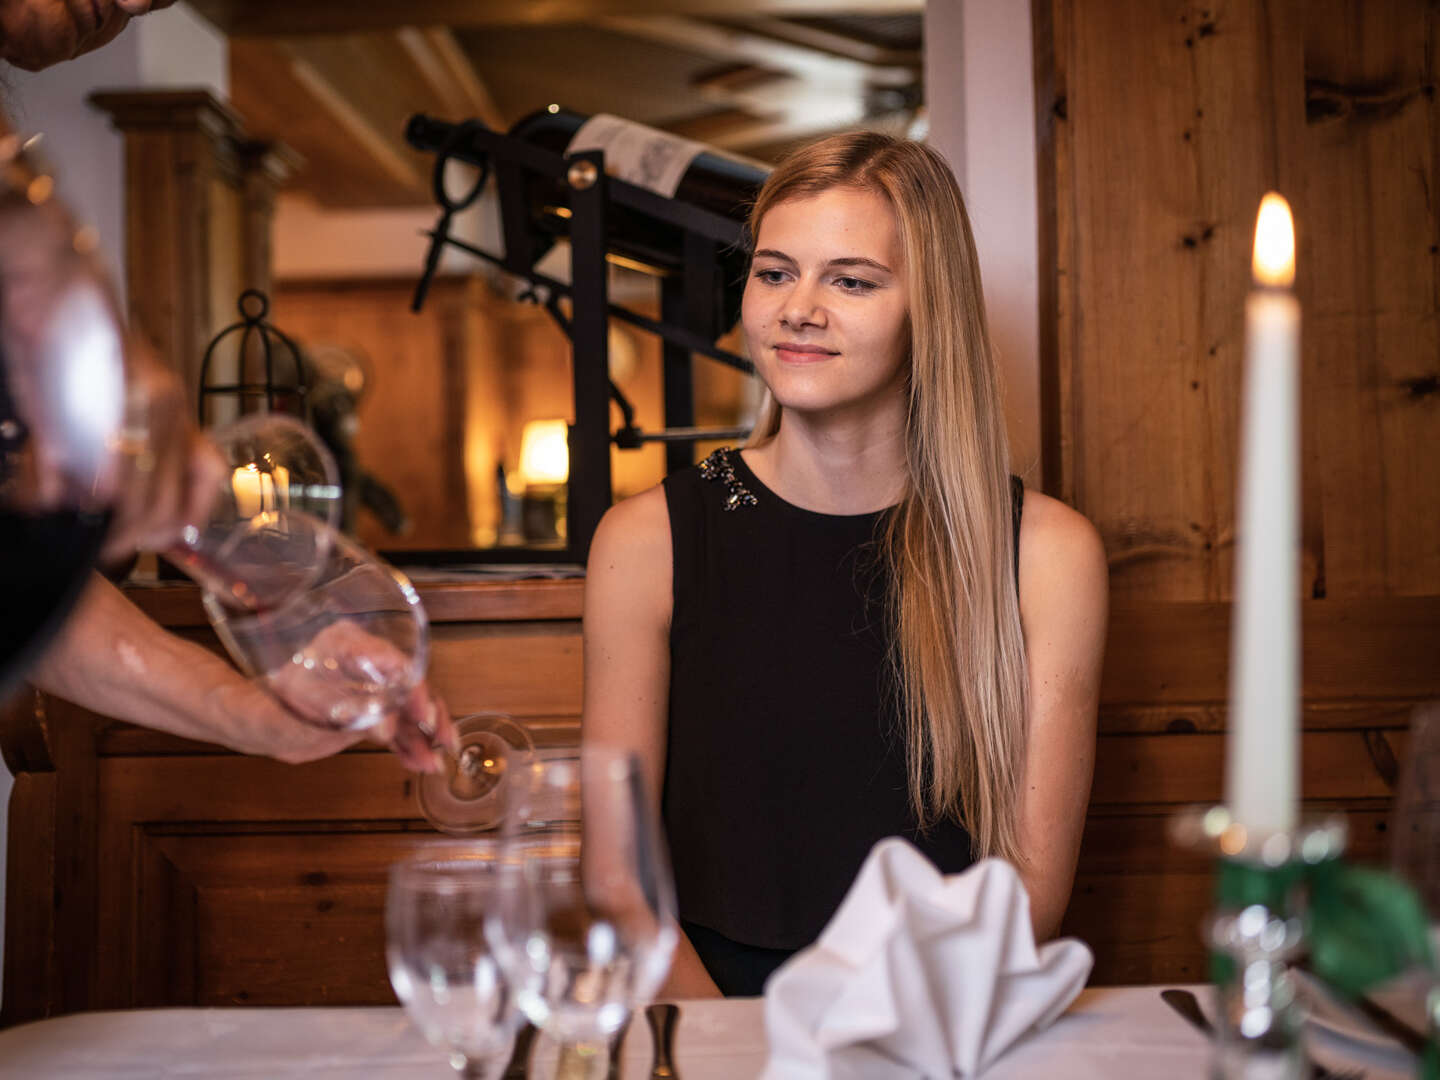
x,y
111,658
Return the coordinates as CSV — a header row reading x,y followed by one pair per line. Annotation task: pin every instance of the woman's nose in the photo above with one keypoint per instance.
x,y
802,308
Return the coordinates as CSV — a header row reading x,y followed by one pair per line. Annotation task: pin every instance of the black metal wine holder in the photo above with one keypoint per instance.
x,y
692,311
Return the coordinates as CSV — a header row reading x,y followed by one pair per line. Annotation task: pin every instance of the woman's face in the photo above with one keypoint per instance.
x,y
37,33
826,315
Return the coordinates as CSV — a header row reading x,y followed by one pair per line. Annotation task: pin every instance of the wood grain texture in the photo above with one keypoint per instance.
x,y
410,435
1159,127
198,199
1166,122
331,16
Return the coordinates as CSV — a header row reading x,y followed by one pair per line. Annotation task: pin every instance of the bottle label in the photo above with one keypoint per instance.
x,y
637,154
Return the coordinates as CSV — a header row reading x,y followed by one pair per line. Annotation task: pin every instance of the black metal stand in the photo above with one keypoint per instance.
x,y
691,303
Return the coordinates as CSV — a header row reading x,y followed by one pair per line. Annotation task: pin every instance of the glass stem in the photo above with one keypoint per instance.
x,y
582,1061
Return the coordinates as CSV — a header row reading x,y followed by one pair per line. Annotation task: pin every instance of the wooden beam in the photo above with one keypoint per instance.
x,y
310,92
442,63
285,17
734,43
742,131
829,41
356,125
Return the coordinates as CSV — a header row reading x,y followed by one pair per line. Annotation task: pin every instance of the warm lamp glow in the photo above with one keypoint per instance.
x,y
545,452
1274,262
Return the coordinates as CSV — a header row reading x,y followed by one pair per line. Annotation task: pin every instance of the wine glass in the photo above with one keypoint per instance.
x,y
343,652
440,965
275,466
585,925
468,795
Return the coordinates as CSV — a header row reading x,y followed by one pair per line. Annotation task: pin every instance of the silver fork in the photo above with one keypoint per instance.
x,y
1185,1004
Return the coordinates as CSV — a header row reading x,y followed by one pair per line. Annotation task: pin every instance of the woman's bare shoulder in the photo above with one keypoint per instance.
x,y
1058,546
630,555
639,525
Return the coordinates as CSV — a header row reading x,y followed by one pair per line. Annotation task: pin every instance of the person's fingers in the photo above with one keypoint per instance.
x,y
422,728
204,478
413,748
446,734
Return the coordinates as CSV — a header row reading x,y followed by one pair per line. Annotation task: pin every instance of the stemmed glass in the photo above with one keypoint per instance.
x,y
585,925
344,651
468,795
272,521
440,966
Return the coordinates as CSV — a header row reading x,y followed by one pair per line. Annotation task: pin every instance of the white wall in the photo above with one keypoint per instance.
x,y
174,48
980,94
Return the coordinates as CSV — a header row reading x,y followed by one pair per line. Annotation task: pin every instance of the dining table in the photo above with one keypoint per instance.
x,y
1108,1033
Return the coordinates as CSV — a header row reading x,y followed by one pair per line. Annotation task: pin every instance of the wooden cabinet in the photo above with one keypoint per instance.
x,y
145,870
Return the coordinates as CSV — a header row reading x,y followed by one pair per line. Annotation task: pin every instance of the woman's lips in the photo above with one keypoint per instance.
x,y
803,354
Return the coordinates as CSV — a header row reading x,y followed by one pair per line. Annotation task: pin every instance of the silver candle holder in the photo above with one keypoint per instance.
x,y
1256,933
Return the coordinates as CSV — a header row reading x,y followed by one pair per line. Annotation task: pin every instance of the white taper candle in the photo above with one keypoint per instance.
x,y
1263,744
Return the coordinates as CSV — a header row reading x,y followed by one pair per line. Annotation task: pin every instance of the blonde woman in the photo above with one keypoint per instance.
x,y
860,625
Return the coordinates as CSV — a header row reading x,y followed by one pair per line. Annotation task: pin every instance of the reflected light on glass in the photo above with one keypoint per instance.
x,y
83,344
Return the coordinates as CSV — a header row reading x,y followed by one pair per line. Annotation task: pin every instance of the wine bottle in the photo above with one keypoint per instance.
x,y
673,167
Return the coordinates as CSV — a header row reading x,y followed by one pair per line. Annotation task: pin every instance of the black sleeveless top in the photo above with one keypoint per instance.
x,y
786,759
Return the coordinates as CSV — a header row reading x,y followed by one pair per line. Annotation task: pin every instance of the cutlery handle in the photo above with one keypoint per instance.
x,y
518,1067
617,1045
1184,1003
662,1020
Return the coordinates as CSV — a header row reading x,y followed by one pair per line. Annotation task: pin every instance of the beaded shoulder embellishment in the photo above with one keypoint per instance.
x,y
718,466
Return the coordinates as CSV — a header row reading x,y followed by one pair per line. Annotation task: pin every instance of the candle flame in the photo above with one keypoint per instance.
x,y
1274,243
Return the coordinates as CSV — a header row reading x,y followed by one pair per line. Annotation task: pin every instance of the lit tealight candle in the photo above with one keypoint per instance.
x,y
1263,744
249,491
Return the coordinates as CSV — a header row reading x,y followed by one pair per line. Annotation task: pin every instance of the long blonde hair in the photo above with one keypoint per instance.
x,y
957,651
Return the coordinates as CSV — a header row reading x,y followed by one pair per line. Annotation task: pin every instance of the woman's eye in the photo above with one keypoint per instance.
x,y
854,284
770,277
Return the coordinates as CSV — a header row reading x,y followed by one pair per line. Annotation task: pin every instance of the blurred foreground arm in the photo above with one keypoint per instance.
x,y
114,660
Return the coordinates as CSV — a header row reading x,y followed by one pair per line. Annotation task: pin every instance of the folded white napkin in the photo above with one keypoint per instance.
x,y
918,975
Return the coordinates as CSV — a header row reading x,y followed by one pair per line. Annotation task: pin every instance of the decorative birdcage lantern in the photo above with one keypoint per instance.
x,y
252,366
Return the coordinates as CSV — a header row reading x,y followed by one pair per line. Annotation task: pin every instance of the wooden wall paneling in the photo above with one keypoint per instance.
x,y
282,917
1161,141
1054,220
485,418
1141,903
410,434
1161,126
31,976
51,886
1365,174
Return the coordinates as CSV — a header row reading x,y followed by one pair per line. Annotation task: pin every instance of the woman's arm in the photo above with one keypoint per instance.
x,y
627,662
1064,604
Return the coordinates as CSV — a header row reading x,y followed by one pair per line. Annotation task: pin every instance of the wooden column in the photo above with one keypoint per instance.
x,y
199,205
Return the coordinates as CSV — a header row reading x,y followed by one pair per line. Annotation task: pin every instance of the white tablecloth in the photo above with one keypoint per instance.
x,y
1108,1034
